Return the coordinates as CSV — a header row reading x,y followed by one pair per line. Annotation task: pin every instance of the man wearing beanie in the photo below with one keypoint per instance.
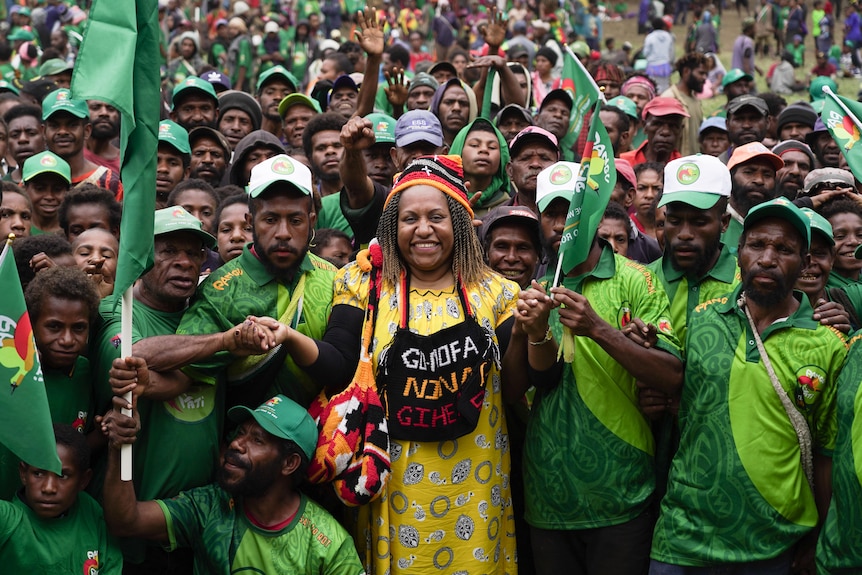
x,y
798,162
796,121
239,115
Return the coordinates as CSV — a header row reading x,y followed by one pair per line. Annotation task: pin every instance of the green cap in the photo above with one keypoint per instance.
x,y
784,209
820,225
283,418
383,126
196,84
279,71
177,219
735,75
280,168
24,11
296,99
61,101
815,89
20,34
9,87
174,135
54,66
44,163
627,105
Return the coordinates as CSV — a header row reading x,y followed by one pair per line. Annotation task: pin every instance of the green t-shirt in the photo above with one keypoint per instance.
x,y
77,542
244,287
70,395
224,540
838,549
737,491
731,235
685,295
330,215
588,455
162,464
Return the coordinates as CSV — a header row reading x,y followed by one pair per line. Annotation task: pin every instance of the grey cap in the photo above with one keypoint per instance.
x,y
418,126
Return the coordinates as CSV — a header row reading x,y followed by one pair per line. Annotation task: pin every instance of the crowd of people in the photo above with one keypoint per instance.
x,y
338,183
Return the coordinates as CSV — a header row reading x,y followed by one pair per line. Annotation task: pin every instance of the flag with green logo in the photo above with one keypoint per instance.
x,y
581,87
118,63
842,118
25,427
593,188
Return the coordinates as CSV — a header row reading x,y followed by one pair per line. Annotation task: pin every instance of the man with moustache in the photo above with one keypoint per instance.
x,y
273,86
663,119
210,155
239,115
752,171
255,505
747,121
554,113
692,77
455,105
100,149
530,152
798,162
770,437
296,111
194,103
173,157
825,148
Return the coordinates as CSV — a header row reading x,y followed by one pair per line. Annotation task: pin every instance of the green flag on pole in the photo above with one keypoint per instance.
x,y
581,87
593,189
119,64
25,427
842,119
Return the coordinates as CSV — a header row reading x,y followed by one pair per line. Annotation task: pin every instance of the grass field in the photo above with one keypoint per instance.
x,y
731,27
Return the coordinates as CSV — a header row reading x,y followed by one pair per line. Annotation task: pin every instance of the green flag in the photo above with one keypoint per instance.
x,y
842,119
119,64
25,428
593,189
581,87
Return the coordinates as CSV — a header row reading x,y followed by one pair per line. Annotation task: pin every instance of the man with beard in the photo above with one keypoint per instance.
x,y
210,155
511,119
798,162
25,136
796,121
662,126
162,465
530,152
736,83
67,128
273,86
173,157
554,113
743,350
455,105
752,170
747,121
692,76
275,276
194,103
618,126
254,507
321,141
824,146
100,149
239,115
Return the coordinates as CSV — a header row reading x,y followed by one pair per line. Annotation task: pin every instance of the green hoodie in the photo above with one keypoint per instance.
x,y
498,192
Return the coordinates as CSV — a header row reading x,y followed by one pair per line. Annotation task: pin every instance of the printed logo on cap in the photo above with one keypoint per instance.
x,y
62,96
164,129
213,77
418,122
283,167
273,402
562,175
190,81
48,161
688,173
382,126
178,213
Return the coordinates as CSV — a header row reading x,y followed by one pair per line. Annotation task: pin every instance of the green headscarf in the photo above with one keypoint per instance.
x,y
500,181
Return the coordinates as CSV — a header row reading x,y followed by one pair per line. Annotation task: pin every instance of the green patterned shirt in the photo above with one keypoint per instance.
x,y
244,287
588,458
737,491
224,540
838,549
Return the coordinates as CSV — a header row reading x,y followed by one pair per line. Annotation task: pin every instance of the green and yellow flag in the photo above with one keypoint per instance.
x,y
119,64
842,119
581,87
593,189
25,426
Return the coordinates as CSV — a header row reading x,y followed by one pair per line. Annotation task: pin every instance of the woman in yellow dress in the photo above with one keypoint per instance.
x,y
442,327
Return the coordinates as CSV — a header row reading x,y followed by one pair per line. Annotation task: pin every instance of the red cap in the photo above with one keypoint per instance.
x,y
626,171
663,106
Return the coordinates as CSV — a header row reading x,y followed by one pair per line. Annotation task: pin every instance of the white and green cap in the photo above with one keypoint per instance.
x,y
177,219
280,168
699,181
45,163
556,181
383,127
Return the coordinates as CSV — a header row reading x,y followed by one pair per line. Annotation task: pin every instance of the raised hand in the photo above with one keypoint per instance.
x,y
357,134
370,33
495,31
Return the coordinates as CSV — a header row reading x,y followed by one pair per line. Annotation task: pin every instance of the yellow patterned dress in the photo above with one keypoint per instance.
x,y
447,507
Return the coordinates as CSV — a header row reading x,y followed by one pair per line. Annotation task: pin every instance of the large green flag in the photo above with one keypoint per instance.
x,y
119,63
842,119
25,426
593,188
581,87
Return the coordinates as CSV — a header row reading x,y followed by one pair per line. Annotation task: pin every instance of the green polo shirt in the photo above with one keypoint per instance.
x,y
737,491
244,287
685,294
588,459
731,235
838,549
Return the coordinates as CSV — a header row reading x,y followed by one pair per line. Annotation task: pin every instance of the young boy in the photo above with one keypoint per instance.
x,y
46,178
51,526
615,228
